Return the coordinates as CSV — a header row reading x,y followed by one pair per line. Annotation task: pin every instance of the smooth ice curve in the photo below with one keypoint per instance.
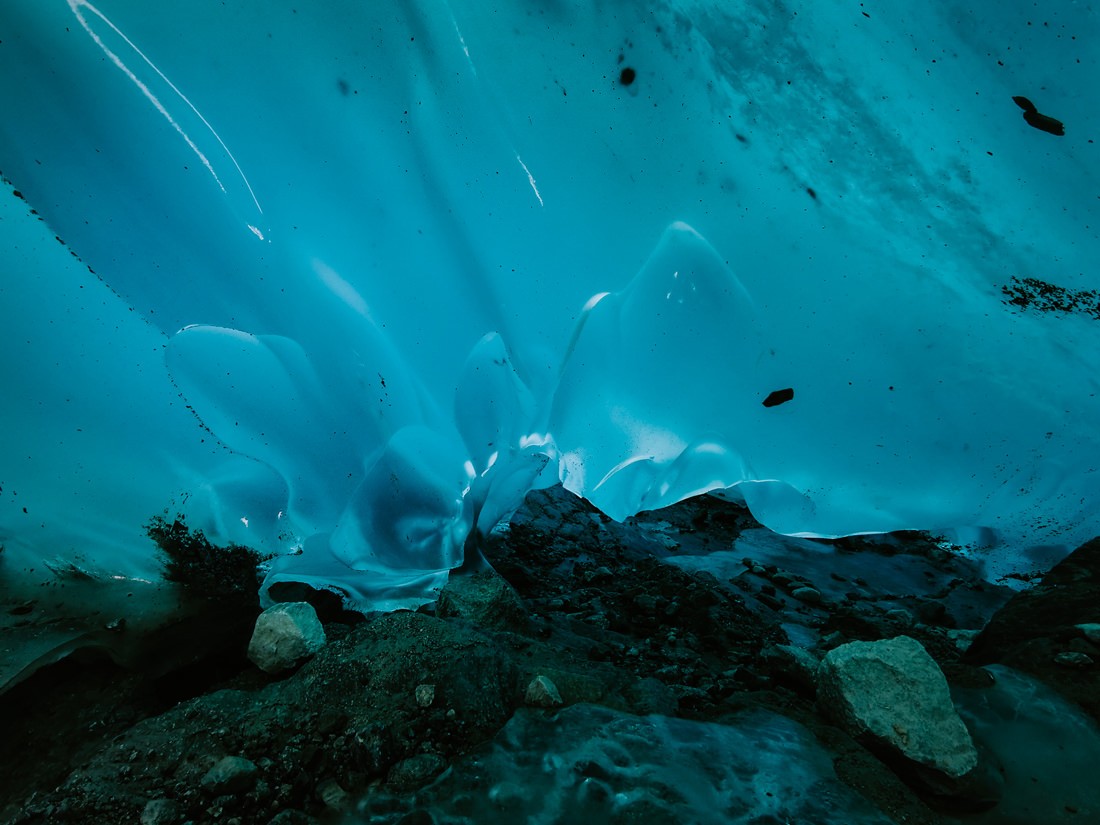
x,y
334,316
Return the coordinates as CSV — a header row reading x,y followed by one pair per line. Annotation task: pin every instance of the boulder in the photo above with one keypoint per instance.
x,y
543,693
484,599
894,693
285,635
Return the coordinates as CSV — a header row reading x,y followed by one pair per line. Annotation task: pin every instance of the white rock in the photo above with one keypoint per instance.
x,y
425,695
543,693
963,639
894,692
285,635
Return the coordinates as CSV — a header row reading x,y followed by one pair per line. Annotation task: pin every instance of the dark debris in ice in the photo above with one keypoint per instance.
x,y
778,397
1034,118
1043,296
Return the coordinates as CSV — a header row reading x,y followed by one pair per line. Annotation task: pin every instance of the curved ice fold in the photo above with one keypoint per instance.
x,y
262,397
664,362
663,396
407,514
860,229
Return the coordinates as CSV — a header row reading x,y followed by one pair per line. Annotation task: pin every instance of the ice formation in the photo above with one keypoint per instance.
x,y
342,281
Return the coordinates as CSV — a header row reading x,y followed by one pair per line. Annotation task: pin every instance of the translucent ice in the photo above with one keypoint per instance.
x,y
365,273
1042,744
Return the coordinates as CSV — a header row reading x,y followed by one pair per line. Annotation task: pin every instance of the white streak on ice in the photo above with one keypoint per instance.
x,y
531,180
75,6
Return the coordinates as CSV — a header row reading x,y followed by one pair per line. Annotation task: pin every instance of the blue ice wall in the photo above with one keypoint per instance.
x,y
342,281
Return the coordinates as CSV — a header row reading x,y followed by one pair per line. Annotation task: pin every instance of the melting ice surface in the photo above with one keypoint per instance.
x,y
1042,781
353,277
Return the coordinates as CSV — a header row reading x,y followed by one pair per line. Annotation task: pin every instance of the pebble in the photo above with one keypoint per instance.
x,y
900,615
808,595
231,775
425,695
334,797
1074,659
416,770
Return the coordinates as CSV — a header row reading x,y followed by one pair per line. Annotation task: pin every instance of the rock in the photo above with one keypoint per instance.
x,y
900,615
425,695
646,604
543,693
231,775
1030,630
893,692
333,796
484,599
600,574
962,639
933,613
784,578
770,601
1074,659
292,817
285,635
412,773
793,664
1091,631
809,595
650,695
161,812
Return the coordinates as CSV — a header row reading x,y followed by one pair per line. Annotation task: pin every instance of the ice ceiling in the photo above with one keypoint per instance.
x,y
347,278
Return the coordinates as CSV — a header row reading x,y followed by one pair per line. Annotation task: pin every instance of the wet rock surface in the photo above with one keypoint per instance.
x,y
893,692
285,635
693,612
1049,630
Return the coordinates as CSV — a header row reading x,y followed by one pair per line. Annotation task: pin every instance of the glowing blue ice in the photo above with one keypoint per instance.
x,y
362,243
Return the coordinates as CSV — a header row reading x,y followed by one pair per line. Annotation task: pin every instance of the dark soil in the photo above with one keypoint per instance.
x,y
593,605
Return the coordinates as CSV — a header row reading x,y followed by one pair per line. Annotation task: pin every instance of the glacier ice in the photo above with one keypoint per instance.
x,y
342,282
1030,729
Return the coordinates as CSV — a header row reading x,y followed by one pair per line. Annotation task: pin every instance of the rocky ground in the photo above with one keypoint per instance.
x,y
693,612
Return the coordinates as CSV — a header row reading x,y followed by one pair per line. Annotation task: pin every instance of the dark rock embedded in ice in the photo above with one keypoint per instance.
x,y
1044,123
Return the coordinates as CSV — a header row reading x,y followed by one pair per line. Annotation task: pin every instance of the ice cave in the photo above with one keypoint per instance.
x,y
347,283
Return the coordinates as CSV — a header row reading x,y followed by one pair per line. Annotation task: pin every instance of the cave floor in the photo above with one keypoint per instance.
x,y
694,612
